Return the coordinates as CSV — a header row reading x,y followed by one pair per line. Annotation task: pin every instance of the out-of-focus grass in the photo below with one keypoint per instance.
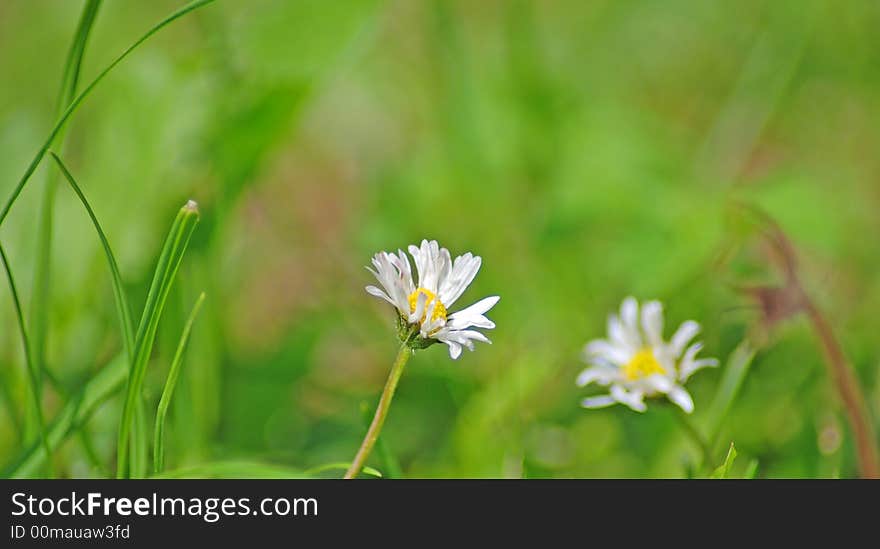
x,y
586,151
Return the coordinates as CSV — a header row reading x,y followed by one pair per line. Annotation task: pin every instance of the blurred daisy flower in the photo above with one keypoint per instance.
x,y
423,309
636,362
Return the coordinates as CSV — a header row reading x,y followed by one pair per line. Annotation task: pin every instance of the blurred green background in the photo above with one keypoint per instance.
x,y
587,150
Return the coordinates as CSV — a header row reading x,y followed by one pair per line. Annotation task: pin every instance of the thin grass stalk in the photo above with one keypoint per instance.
x,y
166,269
168,391
735,372
123,310
31,367
40,298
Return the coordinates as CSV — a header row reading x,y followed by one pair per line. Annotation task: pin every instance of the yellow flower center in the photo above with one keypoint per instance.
x,y
642,364
439,309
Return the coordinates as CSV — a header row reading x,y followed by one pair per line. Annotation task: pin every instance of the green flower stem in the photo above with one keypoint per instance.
x,y
381,411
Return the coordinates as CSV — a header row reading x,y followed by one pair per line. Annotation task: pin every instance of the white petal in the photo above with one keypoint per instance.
x,y
394,278
602,375
374,291
687,370
629,317
475,335
660,383
652,322
682,398
600,348
454,349
634,399
406,272
463,271
598,402
419,312
464,338
429,262
683,335
615,332
473,315
480,307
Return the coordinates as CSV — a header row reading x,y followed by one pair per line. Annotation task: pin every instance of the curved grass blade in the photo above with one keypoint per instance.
x,y
166,269
33,374
168,391
341,466
85,93
73,63
235,469
122,308
40,297
74,414
728,389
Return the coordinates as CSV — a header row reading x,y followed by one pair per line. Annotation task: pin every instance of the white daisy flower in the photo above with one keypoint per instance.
x,y
637,363
423,309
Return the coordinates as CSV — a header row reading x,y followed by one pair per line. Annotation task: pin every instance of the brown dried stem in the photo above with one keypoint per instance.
x,y
780,302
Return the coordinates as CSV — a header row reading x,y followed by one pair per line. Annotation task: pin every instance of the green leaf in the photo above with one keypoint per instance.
x,y
166,270
723,471
170,384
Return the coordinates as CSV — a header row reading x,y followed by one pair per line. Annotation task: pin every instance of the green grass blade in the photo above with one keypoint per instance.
x,y
340,466
122,307
166,269
9,402
73,63
75,413
168,391
138,458
85,93
728,389
751,470
33,374
723,470
235,469
40,298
